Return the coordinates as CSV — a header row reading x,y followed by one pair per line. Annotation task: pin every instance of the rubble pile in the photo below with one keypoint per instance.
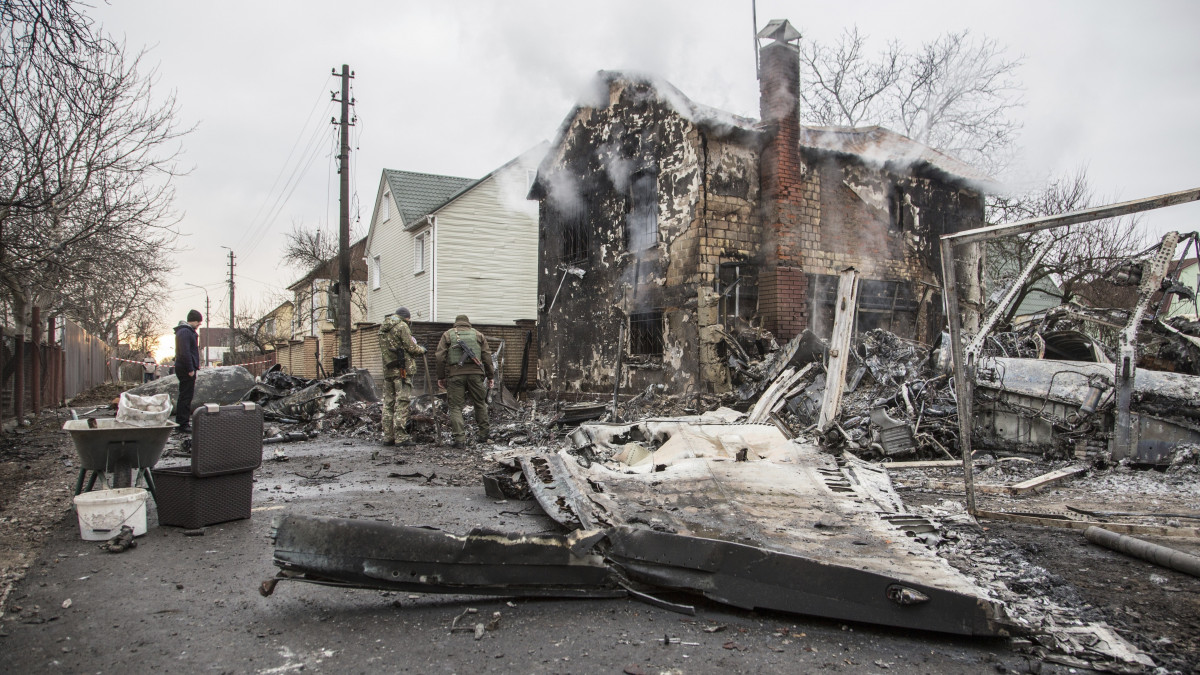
x,y
294,400
1058,626
895,403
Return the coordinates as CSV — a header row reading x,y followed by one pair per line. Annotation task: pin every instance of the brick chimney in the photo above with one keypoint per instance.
x,y
783,286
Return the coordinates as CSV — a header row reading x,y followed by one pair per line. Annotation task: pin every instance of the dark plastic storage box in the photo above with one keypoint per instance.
x,y
226,439
218,484
186,501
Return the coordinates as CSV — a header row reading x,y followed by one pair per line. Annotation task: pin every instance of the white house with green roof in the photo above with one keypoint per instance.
x,y
444,245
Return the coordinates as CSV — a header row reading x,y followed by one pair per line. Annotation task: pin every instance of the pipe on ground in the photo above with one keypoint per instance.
x,y
1159,555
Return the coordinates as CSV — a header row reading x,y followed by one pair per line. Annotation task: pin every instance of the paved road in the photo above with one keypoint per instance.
x,y
190,604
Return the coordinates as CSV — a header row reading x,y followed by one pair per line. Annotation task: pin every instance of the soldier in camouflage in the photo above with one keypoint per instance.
x,y
462,373
398,348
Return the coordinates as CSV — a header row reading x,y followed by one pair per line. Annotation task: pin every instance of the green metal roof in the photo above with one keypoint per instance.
x,y
418,194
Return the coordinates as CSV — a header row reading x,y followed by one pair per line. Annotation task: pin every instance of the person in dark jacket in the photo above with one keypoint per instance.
x,y
187,363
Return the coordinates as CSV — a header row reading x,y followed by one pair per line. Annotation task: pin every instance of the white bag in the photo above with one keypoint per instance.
x,y
144,411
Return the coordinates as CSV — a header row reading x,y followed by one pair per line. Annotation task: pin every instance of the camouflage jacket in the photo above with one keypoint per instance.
x,y
395,337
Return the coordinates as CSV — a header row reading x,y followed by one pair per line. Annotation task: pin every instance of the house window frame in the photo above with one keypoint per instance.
x,y
647,334
641,222
376,273
420,247
386,206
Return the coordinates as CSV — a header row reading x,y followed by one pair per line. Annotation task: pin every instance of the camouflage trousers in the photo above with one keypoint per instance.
x,y
396,395
458,389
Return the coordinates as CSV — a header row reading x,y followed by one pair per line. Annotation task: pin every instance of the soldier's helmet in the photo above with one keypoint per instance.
x,y
403,313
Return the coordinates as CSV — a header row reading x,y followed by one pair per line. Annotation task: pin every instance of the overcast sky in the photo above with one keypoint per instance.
x,y
461,87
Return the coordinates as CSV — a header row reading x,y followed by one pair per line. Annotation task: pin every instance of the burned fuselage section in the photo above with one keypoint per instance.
x,y
733,512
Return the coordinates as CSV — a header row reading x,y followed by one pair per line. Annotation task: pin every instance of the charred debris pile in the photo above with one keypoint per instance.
x,y
1043,388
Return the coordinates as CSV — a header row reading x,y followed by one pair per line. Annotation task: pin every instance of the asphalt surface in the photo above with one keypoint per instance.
x,y
186,604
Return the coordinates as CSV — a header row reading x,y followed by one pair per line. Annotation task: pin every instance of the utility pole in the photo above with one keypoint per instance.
x,y
344,217
232,320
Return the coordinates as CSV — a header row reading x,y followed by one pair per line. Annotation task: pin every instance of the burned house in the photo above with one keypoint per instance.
x,y
668,228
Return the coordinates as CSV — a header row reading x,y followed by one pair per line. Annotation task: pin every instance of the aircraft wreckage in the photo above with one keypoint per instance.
x,y
734,512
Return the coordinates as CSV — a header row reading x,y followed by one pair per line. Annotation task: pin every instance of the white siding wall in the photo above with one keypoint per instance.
x,y
486,251
398,285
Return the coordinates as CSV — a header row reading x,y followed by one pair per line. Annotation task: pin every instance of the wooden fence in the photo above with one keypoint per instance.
x,y
50,365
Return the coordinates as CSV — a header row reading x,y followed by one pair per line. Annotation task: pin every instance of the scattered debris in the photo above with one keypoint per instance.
x,y
123,541
1159,555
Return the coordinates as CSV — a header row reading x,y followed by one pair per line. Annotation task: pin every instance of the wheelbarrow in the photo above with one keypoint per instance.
x,y
113,447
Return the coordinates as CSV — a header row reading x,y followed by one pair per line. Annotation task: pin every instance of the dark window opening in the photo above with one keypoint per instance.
x,y
890,305
571,221
900,205
737,283
646,334
641,224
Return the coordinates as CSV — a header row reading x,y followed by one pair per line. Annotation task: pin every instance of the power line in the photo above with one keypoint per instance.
x,y
298,174
283,167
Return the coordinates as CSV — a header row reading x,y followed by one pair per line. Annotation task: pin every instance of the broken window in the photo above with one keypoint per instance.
x,y
641,224
419,254
890,305
903,213
570,220
738,286
646,333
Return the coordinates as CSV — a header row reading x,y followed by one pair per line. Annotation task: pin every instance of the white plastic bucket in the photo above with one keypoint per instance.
x,y
103,512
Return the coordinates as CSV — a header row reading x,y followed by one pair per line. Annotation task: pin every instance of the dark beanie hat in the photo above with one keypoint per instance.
x,y
194,316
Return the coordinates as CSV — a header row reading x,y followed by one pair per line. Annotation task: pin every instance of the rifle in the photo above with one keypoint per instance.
x,y
468,353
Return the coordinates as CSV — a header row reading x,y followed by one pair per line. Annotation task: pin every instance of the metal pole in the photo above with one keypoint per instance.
x,y
964,373
1086,215
1159,555
617,375
754,19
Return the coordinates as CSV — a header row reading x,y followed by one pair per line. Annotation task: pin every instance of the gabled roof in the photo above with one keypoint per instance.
x,y
419,194
873,145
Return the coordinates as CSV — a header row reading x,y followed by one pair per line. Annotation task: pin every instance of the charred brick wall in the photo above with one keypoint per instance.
x,y
583,226
788,210
883,221
705,212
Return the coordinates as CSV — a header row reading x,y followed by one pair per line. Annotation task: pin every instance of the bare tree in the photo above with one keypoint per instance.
x,y
142,333
258,327
956,93
307,247
1079,256
87,155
